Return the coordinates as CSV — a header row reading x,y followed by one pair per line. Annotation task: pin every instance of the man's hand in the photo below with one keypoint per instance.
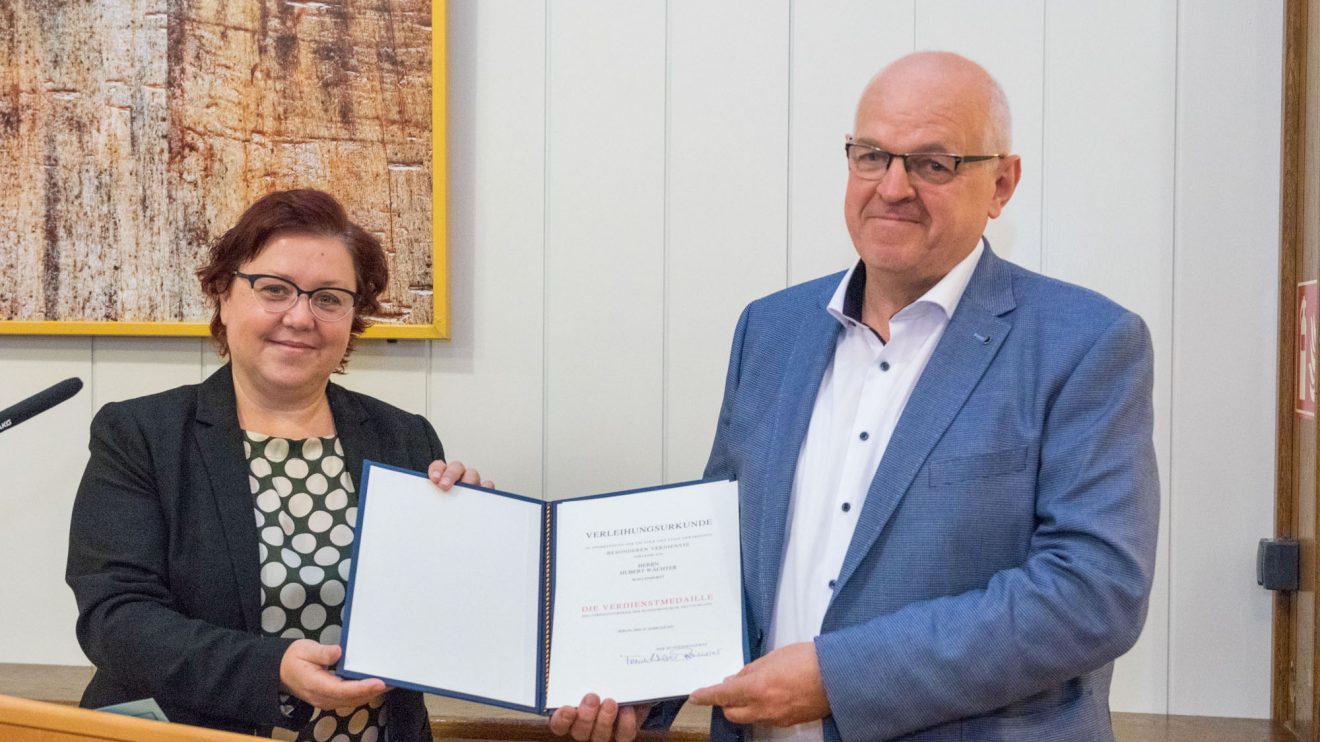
x,y
304,673
599,721
447,474
782,688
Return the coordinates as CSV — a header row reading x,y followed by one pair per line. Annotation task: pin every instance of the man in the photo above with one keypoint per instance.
x,y
949,496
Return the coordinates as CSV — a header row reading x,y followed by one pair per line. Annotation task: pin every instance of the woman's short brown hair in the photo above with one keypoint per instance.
x,y
302,211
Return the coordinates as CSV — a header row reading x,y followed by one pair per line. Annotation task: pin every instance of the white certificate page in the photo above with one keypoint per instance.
x,y
647,594
446,590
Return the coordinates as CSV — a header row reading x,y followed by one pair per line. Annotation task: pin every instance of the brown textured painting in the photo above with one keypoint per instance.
x,y
134,132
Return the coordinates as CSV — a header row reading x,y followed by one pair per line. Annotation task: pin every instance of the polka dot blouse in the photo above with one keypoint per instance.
x,y
306,512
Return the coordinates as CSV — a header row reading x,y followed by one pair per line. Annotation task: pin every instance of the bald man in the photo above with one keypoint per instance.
x,y
948,486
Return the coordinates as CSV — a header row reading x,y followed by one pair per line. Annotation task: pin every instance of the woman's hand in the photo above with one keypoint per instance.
x,y
446,474
304,673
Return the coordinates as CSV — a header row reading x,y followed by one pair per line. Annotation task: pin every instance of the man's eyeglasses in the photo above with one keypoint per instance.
x,y
280,294
936,168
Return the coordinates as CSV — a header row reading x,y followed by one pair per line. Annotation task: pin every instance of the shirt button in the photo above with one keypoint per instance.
x,y
884,365
847,506
864,435
832,584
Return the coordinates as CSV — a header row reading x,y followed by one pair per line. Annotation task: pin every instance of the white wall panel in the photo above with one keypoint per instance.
x,y
1006,39
1108,204
726,196
835,49
211,361
624,177
487,391
605,247
1225,307
43,460
128,367
392,372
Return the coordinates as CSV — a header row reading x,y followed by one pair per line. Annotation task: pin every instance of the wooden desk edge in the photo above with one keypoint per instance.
x,y
451,719
22,718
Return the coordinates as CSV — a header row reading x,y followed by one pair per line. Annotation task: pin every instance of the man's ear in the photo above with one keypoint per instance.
x,y
1006,182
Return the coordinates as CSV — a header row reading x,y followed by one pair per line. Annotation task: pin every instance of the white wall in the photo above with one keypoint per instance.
x,y
625,176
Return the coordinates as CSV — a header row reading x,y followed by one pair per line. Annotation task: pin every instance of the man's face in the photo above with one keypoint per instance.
x,y
910,233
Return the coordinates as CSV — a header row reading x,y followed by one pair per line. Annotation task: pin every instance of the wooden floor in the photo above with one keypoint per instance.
x,y
460,720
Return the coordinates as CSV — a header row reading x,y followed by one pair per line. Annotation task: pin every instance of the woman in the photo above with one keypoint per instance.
x,y
213,529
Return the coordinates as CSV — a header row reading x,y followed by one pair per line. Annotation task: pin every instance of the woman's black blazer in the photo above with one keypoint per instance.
x,y
163,555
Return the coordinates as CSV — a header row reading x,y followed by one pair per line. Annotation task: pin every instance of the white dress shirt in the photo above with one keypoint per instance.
x,y
861,397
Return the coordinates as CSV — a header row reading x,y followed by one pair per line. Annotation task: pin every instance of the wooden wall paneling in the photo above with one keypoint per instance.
x,y
836,48
605,245
1291,656
43,460
726,199
1224,294
1108,203
1006,39
487,388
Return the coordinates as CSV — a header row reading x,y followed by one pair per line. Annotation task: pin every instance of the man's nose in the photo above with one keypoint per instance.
x,y
895,184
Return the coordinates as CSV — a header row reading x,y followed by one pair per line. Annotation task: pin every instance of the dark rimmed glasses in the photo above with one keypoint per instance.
x,y
277,294
936,168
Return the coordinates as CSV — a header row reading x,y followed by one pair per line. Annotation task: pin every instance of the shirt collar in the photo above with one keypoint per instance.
x,y
846,304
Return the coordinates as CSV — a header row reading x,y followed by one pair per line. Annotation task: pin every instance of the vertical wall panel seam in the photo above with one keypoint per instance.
x,y
1173,348
1044,128
665,375
545,258
788,153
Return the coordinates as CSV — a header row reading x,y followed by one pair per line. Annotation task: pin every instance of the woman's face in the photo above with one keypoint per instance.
x,y
291,352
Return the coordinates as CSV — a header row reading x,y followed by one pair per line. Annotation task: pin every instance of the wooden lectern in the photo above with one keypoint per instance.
x,y
22,720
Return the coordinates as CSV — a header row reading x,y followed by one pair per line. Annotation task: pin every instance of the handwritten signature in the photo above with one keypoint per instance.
x,y
670,656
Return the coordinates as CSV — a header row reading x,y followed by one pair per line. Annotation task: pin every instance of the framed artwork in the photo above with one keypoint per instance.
x,y
133,133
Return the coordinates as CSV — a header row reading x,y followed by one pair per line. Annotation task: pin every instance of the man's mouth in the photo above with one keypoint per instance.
x,y
894,216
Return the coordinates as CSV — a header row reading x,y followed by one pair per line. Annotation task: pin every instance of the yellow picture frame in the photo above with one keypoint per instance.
x,y
438,328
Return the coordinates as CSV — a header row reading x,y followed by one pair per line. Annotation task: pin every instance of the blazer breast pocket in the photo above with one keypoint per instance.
x,y
955,469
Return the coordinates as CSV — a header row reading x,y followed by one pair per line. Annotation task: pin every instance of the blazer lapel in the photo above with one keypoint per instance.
x,y
221,444
351,425
812,353
970,342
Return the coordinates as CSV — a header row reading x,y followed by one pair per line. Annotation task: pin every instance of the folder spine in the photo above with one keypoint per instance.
x,y
546,593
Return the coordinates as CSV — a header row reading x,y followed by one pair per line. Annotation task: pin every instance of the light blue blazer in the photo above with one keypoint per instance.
x,y
1004,555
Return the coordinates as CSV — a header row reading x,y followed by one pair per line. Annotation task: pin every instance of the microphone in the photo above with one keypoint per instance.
x,y
39,403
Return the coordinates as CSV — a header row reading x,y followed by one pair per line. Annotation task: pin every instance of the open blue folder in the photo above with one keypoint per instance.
x,y
635,595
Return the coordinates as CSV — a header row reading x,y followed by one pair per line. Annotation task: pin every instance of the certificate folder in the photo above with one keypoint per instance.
x,y
494,597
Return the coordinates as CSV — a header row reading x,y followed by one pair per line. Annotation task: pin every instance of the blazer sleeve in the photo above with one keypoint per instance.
x,y
719,465
129,623
436,450
1076,603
